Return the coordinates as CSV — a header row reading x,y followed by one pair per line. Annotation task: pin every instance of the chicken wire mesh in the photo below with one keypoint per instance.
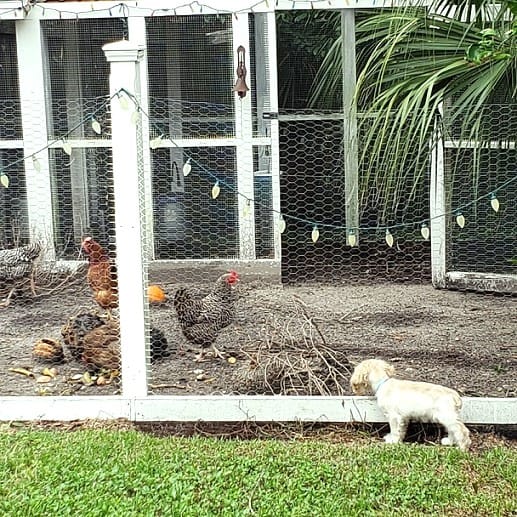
x,y
293,338
481,232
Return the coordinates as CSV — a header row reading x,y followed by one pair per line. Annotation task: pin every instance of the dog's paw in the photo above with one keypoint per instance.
x,y
447,441
389,438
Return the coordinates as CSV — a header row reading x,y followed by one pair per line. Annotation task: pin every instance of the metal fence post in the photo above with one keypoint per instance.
x,y
128,192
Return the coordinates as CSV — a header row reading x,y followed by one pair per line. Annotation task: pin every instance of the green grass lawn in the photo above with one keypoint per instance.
x,y
99,472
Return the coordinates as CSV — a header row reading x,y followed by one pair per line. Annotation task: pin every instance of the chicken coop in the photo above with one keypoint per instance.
x,y
179,138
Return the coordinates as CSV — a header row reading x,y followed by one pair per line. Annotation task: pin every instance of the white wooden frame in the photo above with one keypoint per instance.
x,y
439,211
134,404
222,408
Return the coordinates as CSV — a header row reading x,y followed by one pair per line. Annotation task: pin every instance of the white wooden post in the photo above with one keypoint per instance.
x,y
128,192
350,122
137,34
275,130
35,138
438,208
243,133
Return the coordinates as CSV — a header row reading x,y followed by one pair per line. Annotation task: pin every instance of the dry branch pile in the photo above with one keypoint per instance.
x,y
293,358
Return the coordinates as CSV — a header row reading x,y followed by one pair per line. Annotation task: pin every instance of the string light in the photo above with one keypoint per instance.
x,y
424,230
67,147
281,224
281,221
389,238
135,116
494,202
187,167
352,238
36,163
460,220
96,126
246,211
315,234
156,142
216,190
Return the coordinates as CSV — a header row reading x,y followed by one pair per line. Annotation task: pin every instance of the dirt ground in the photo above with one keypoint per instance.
x,y
291,339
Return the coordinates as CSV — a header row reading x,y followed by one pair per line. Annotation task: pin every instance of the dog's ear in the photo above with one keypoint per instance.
x,y
390,370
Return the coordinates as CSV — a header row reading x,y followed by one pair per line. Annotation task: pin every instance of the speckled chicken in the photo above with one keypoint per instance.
x,y
201,319
16,266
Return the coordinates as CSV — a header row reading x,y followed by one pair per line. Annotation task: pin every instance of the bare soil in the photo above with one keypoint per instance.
x,y
290,339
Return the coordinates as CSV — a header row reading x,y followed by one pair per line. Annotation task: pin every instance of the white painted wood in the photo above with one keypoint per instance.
x,y
437,209
123,57
350,162
474,144
105,9
11,144
243,135
275,130
12,10
23,408
487,282
137,34
480,411
34,121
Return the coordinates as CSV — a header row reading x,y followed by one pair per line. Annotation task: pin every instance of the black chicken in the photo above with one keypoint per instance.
x,y
201,319
16,266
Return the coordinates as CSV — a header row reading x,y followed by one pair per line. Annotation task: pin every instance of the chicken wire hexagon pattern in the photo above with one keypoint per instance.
x,y
487,242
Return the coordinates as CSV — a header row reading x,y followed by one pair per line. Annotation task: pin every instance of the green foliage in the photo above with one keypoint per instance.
x,y
126,473
413,62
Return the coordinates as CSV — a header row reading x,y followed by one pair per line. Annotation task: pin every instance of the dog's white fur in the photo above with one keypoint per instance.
x,y
403,400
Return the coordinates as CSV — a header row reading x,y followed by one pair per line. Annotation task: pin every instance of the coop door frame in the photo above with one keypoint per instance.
x,y
244,141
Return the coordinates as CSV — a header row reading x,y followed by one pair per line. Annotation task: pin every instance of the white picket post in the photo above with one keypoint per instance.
x,y
124,57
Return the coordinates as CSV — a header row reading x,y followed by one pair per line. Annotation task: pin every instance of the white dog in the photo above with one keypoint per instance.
x,y
402,401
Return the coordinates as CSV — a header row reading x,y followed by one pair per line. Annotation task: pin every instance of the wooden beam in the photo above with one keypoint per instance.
x,y
478,411
350,162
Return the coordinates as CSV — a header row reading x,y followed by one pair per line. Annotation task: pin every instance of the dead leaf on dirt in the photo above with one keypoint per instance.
x,y
49,372
200,377
22,371
76,377
43,378
87,379
102,381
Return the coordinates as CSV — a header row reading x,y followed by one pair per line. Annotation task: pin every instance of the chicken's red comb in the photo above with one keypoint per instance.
x,y
234,276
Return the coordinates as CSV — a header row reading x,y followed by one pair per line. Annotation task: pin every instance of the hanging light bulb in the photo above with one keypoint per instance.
x,y
352,238
4,180
460,220
156,142
135,116
67,147
36,163
187,168
246,211
96,126
424,230
281,224
389,238
216,189
494,202
123,101
315,235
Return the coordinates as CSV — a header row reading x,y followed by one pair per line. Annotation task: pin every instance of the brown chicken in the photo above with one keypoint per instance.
x,y
16,269
96,342
102,275
201,319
